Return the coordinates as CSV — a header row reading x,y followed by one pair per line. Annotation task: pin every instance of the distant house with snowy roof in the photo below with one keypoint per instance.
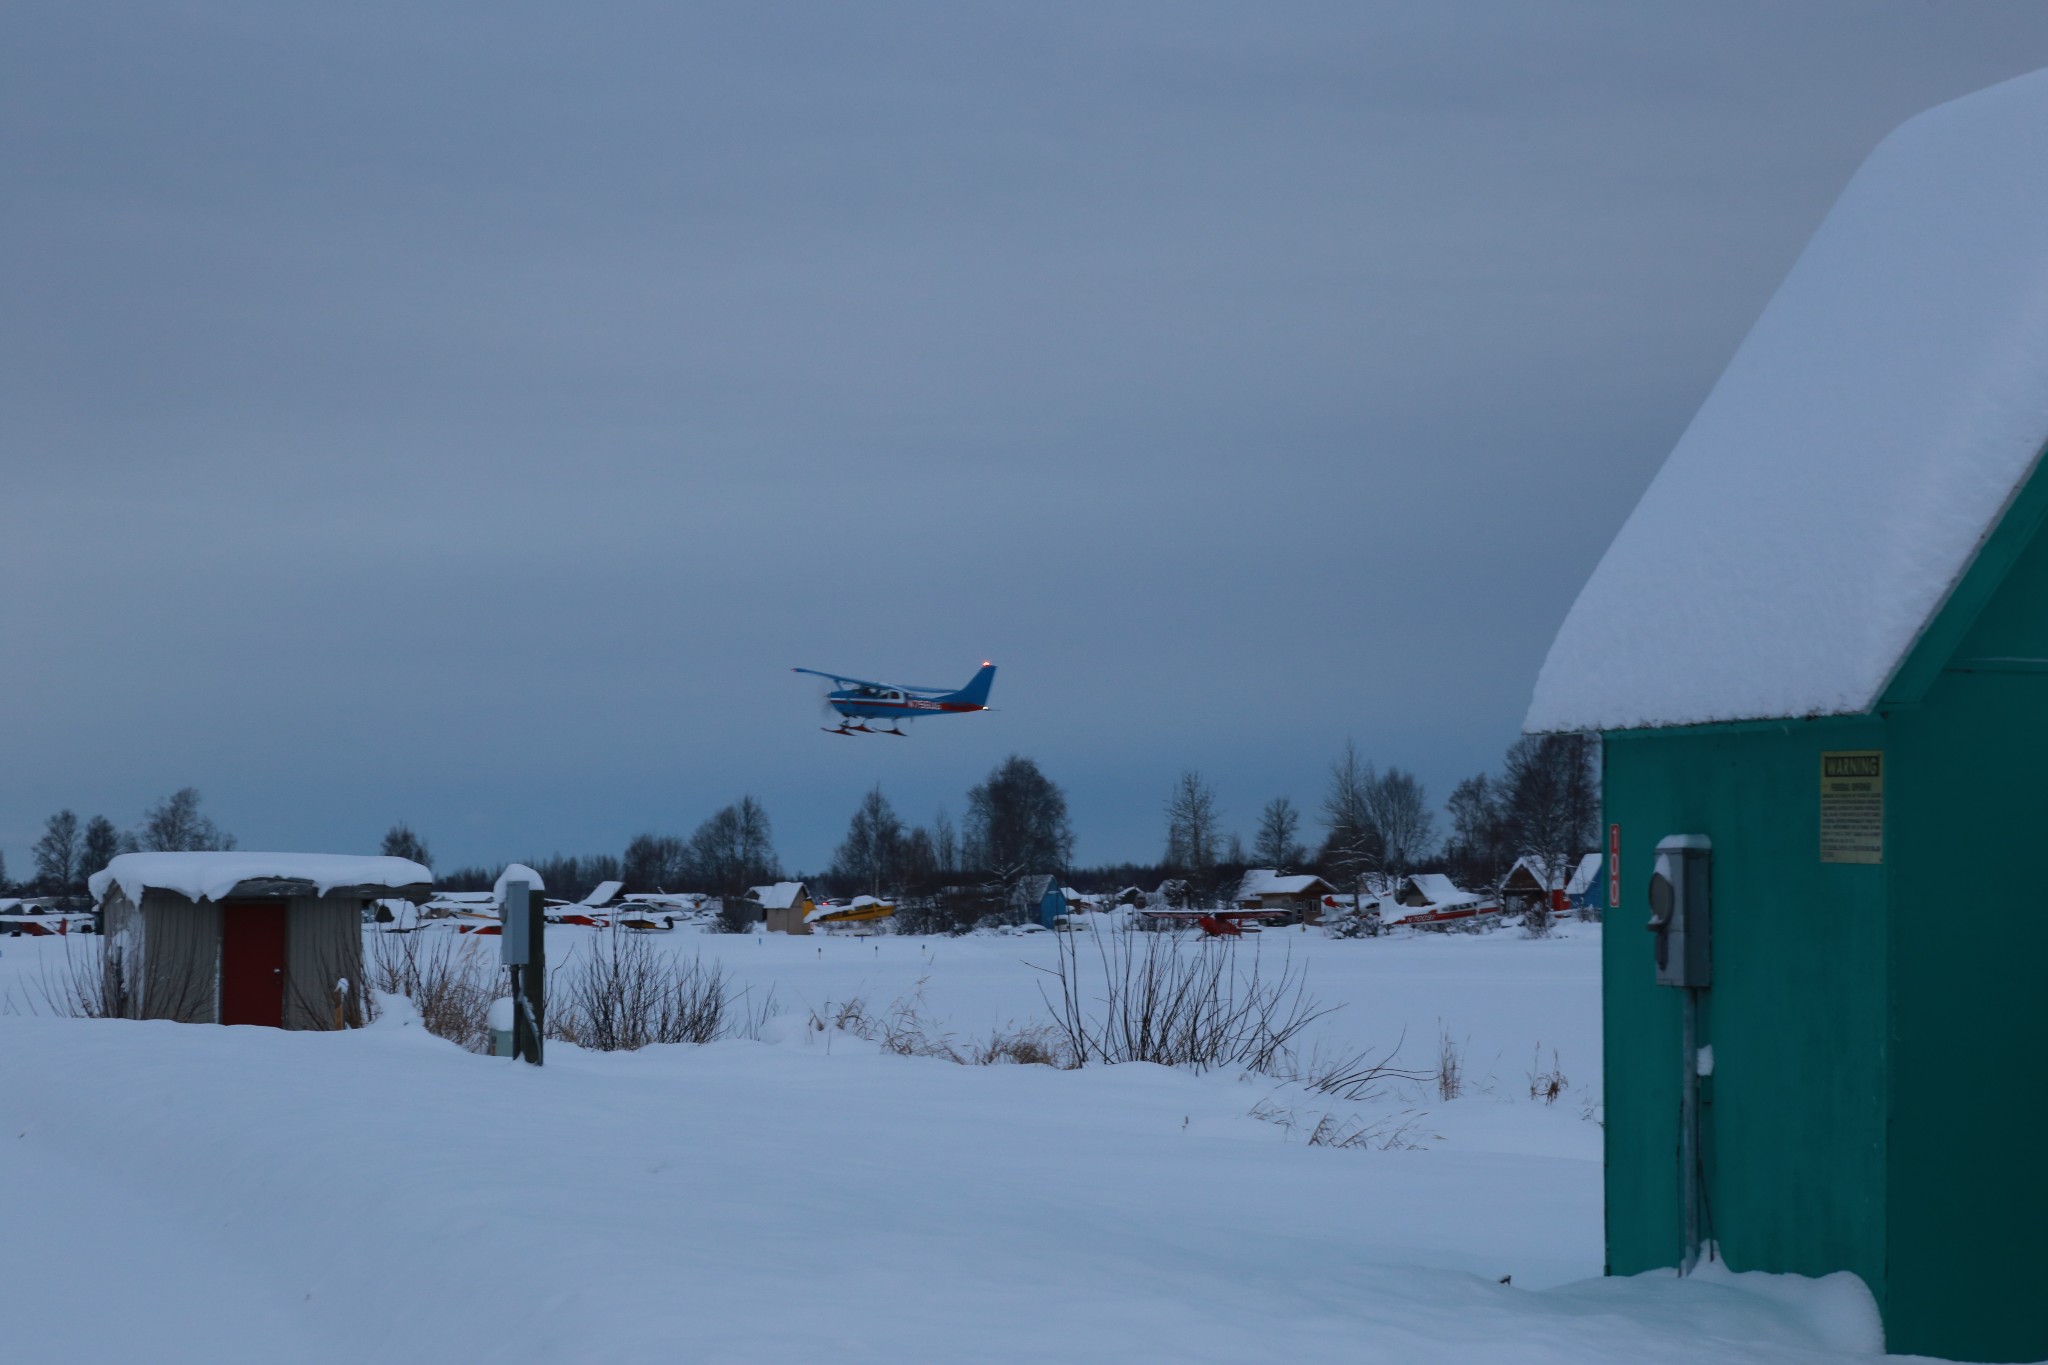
x,y
1817,655
1432,891
244,938
785,907
1533,883
1263,888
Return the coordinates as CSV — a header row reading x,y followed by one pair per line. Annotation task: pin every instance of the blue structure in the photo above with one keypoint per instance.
x,y
1043,900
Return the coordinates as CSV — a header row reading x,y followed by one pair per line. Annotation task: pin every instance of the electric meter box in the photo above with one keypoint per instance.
x,y
1681,911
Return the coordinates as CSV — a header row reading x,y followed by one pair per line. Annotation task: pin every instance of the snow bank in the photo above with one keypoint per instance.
x,y
1839,479
322,1197
210,876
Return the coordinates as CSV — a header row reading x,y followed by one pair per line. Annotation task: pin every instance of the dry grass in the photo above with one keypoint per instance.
x,y
903,1030
1450,1066
1400,1132
1547,1085
1357,1077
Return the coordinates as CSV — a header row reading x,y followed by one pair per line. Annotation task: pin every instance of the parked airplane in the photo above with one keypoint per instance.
x,y
857,701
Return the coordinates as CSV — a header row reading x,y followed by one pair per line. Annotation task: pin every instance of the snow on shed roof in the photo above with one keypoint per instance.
x,y
780,896
1841,476
1264,881
210,876
1440,890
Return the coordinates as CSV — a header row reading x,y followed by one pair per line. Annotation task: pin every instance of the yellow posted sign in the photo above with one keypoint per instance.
x,y
1852,806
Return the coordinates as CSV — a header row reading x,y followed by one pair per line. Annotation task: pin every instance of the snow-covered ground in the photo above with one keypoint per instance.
x,y
194,1193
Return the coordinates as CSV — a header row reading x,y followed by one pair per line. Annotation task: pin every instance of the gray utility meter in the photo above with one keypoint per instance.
x,y
1681,911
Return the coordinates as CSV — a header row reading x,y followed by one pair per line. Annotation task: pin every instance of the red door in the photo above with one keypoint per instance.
x,y
252,965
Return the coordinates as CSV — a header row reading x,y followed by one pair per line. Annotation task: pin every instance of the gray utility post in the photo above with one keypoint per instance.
x,y
526,954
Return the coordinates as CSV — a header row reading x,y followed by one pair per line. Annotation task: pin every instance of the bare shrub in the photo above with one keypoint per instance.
x,y
1165,1000
736,915
90,984
1450,1066
1547,1085
620,993
450,980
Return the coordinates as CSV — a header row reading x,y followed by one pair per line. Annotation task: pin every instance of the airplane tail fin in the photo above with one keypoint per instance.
x,y
976,691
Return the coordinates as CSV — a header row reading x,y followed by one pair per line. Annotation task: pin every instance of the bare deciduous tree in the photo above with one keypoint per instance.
x,y
175,825
1017,823
101,844
57,854
653,862
1277,846
945,844
1553,802
871,855
401,842
1353,850
732,851
1399,810
1191,829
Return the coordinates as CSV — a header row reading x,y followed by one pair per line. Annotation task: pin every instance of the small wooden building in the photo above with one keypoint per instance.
x,y
244,938
1532,884
1817,654
1301,894
785,907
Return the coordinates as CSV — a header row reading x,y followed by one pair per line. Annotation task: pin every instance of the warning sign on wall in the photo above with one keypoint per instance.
x,y
1852,806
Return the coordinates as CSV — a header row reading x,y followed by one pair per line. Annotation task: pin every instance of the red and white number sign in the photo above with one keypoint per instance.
x,y
1614,867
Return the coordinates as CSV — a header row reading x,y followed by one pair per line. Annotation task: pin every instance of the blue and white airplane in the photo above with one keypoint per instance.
x,y
858,701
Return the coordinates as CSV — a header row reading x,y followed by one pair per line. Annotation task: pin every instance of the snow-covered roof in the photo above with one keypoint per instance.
x,y
1584,875
1440,890
1865,438
780,896
211,876
1265,881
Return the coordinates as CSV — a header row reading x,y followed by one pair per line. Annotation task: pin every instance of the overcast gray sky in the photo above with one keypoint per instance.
x,y
467,414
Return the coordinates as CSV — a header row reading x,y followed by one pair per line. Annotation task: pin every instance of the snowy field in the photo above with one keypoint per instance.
x,y
194,1193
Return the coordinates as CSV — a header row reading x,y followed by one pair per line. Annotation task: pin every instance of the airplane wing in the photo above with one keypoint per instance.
x,y
842,679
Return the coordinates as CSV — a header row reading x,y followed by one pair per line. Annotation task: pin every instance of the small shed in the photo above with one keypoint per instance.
x,y
785,907
1433,891
1041,900
1817,654
1533,883
244,938
1264,888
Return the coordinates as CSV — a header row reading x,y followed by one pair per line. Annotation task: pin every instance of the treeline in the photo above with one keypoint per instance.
x,y
1377,825
944,875
732,850
71,850
1372,824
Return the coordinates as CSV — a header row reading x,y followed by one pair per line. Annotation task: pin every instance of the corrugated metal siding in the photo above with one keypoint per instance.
x,y
323,945
178,975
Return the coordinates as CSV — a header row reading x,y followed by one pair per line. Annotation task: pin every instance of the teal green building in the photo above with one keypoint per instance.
x,y
1820,646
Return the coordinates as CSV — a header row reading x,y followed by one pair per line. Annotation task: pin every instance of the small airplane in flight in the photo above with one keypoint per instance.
x,y
857,701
